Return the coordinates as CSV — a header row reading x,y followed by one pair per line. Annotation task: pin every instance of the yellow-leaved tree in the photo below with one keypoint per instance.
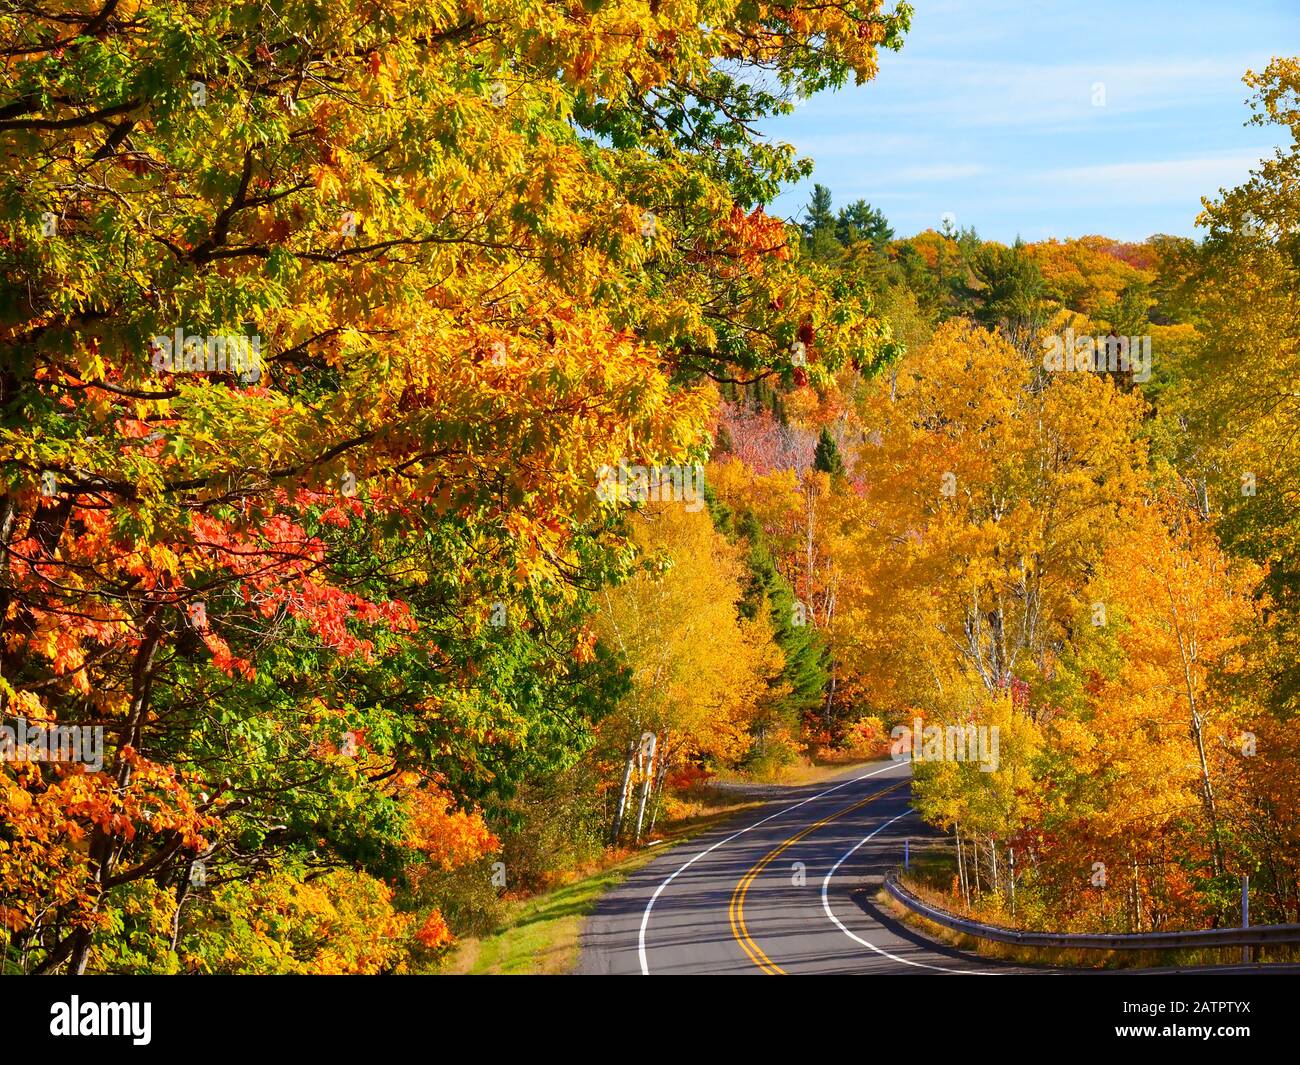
x,y
700,672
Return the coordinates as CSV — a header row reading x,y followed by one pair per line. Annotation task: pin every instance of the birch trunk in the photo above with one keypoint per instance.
x,y
647,779
961,867
622,794
658,794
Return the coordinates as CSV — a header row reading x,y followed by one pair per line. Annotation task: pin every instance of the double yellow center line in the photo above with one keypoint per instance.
x,y
737,909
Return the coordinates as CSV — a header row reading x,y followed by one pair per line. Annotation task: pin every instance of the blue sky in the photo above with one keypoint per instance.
x,y
1049,118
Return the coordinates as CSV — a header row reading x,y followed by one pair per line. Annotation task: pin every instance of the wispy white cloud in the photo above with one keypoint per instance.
x,y
991,93
1152,181
940,172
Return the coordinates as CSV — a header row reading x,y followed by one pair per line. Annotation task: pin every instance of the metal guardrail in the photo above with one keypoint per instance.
x,y
1255,935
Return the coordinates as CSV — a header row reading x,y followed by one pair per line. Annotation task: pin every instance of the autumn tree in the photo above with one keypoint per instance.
x,y
701,672
316,329
1235,406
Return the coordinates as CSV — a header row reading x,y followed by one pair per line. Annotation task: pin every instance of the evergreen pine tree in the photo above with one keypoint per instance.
x,y
827,457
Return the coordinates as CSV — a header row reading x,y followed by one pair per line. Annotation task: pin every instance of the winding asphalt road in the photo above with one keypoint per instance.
x,y
786,889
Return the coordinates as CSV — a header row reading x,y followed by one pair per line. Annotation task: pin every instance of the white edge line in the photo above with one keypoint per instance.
x,y
645,917
826,905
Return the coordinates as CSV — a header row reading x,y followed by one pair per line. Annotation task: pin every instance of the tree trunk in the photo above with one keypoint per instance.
x,y
1137,897
1207,791
647,779
808,545
1011,876
102,842
658,792
961,867
622,793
